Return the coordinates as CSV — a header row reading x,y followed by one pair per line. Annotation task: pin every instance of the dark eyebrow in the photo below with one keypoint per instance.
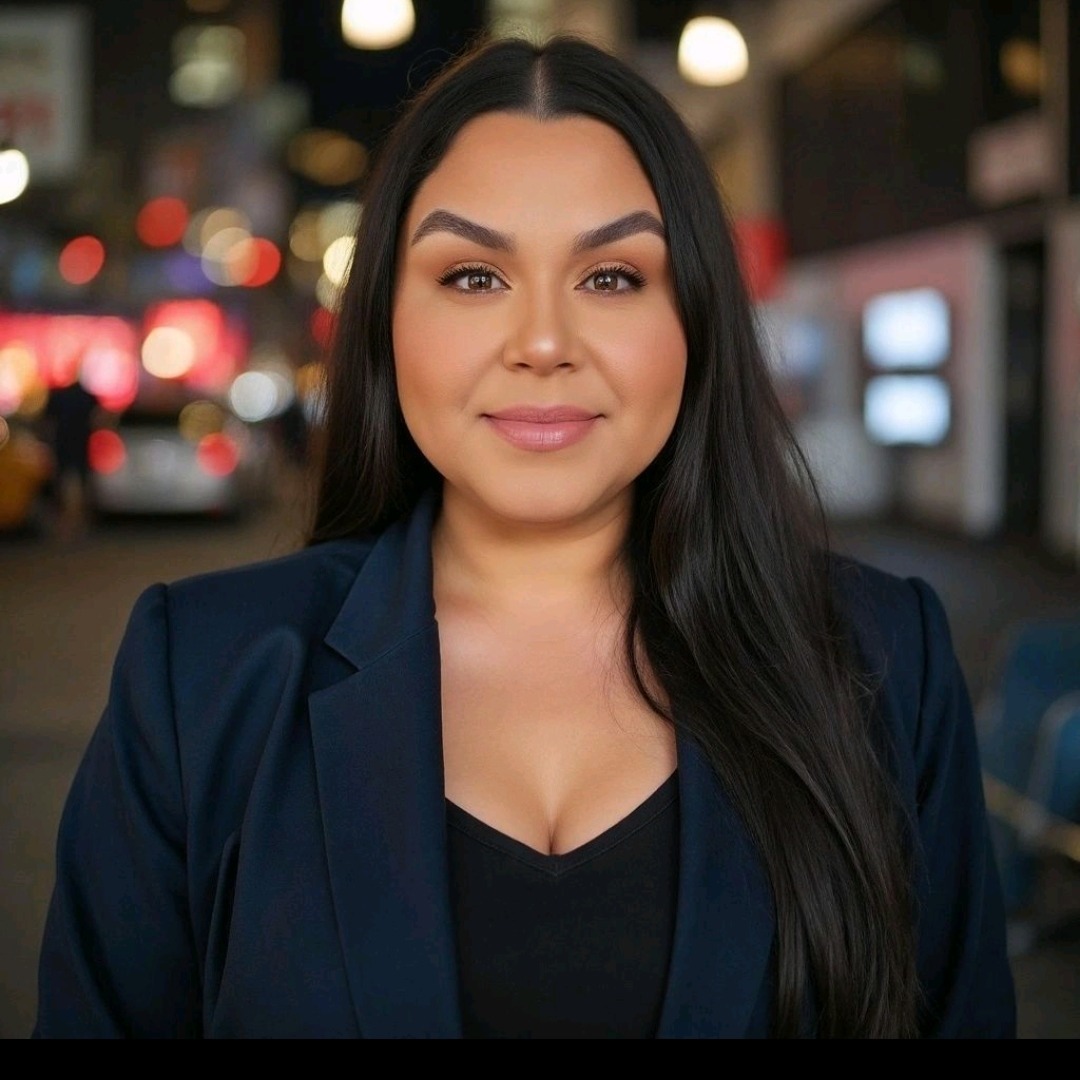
x,y
444,221
628,225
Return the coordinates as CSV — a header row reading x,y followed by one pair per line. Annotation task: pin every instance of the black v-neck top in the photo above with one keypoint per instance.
x,y
566,946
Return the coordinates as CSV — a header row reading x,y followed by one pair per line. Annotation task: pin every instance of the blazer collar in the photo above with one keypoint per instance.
x,y
378,752
377,741
392,596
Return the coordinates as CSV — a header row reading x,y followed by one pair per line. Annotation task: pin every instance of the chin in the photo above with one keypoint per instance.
x,y
547,503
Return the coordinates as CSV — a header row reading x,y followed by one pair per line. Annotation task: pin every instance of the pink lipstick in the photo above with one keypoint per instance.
x,y
542,428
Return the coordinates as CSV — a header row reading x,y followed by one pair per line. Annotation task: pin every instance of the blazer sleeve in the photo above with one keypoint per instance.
x,y
962,956
118,958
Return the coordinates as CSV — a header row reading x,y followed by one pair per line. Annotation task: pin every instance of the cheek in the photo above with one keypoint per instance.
x,y
435,372
414,366
423,353
654,370
412,345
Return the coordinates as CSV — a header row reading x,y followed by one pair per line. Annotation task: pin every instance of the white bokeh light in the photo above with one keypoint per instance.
x,y
712,52
253,396
168,352
377,24
338,258
14,174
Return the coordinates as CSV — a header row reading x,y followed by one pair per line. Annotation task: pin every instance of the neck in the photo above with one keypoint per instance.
x,y
502,564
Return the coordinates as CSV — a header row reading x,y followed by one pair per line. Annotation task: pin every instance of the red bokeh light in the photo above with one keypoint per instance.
x,y
111,375
220,342
763,253
106,451
264,265
102,350
217,454
82,259
162,221
322,326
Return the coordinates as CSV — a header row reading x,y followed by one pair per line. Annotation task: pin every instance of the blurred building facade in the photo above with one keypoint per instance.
x,y
904,178
933,147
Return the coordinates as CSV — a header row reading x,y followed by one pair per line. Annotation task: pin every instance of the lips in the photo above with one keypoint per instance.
x,y
542,428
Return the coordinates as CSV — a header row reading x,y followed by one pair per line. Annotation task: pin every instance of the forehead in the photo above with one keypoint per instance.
x,y
508,163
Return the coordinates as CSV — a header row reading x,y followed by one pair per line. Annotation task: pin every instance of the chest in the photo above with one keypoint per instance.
x,y
545,735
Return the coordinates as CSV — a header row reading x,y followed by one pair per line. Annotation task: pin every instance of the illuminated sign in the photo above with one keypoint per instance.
x,y
45,87
907,329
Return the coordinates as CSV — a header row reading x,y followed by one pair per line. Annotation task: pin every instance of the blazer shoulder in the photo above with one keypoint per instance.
x,y
904,639
884,609
306,585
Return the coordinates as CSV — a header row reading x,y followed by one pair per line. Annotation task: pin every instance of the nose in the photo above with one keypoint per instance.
x,y
541,337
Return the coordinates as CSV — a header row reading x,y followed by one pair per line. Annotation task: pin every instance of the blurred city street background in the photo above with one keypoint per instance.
x,y
65,601
179,185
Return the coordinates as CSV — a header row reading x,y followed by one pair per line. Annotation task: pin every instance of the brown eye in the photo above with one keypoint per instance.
x,y
472,279
613,279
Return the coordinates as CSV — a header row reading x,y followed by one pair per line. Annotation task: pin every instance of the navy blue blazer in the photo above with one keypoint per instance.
x,y
254,844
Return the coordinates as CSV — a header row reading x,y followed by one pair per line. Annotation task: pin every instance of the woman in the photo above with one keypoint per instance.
x,y
564,723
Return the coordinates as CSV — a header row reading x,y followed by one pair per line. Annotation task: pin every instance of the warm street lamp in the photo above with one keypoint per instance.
x,y
377,24
712,52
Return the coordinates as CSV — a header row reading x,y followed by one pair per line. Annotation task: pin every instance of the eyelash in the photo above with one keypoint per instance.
x,y
635,277
456,272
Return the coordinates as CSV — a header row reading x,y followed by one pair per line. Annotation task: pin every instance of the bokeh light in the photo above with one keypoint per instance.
x,y
328,294
209,65
253,396
200,418
227,256
338,258
162,222
712,52
337,218
377,24
81,260
263,264
168,352
304,239
111,374
217,454
220,341
205,223
321,325
106,451
14,174
1022,67
330,158
18,373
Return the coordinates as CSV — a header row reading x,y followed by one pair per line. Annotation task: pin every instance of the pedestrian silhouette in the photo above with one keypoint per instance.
x,y
69,419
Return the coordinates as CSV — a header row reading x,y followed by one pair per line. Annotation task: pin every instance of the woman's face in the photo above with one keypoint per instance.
x,y
539,354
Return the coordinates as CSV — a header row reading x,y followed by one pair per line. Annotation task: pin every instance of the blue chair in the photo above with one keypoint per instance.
x,y
1037,666
1049,823
1054,785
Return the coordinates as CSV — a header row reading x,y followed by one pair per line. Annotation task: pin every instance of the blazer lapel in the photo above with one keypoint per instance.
x,y
720,961
378,755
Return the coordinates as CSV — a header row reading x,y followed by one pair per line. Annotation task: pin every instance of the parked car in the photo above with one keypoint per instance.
x,y
173,456
27,468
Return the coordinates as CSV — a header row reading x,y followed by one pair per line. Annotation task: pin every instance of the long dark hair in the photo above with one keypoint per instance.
x,y
732,608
